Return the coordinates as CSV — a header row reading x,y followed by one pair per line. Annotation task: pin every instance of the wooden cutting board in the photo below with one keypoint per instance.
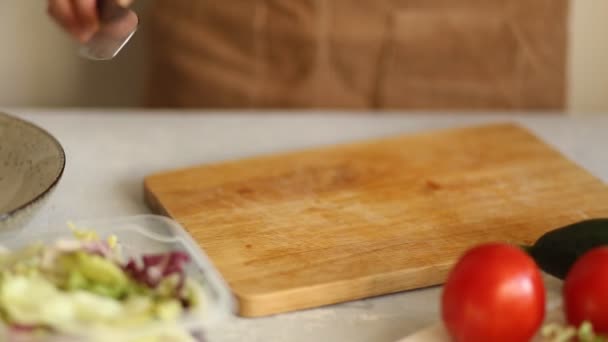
x,y
334,224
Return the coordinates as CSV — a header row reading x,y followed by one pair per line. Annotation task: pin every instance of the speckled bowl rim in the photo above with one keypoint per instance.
x,y
53,184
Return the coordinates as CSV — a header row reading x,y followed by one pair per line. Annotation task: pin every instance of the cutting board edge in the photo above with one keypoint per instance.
x,y
307,297
152,200
345,144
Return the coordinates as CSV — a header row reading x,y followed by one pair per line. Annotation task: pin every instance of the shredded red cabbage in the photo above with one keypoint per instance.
x,y
154,268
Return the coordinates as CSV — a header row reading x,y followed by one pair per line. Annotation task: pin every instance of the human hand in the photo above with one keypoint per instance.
x,y
80,18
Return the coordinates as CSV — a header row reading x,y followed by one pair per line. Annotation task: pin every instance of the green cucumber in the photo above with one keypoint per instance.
x,y
557,250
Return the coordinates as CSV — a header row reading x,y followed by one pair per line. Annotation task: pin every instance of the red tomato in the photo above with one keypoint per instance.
x,y
585,290
495,292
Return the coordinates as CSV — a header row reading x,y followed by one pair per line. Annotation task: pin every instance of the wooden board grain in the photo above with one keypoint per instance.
x,y
339,223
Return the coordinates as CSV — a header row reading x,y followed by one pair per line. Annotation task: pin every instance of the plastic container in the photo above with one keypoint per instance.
x,y
140,235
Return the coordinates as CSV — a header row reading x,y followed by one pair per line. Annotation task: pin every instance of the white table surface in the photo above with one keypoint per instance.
x,y
110,151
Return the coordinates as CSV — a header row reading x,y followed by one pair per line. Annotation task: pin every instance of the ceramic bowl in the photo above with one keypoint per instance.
x,y
31,164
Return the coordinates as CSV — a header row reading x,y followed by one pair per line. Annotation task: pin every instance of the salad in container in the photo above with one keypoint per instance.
x,y
135,279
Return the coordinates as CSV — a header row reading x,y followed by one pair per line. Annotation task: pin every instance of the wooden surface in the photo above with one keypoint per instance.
x,y
334,224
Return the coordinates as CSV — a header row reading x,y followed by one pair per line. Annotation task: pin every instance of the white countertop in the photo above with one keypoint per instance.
x,y
109,153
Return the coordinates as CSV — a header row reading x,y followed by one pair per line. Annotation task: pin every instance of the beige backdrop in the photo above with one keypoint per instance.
x,y
39,65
